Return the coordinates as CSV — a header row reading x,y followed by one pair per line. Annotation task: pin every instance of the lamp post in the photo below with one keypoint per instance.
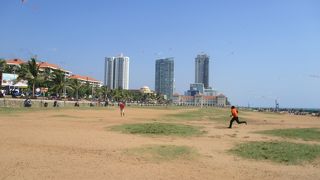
x,y
92,90
14,68
1,78
64,86
4,97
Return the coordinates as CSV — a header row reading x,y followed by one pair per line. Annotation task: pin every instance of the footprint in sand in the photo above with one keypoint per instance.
x,y
231,135
216,136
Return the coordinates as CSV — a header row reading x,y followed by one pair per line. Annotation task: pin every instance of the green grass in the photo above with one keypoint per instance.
x,y
280,152
163,152
166,129
307,134
212,114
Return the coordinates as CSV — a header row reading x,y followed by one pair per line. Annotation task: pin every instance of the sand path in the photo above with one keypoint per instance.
x,y
76,144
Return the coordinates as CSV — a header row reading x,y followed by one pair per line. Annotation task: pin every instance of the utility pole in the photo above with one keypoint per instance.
x,y
64,86
201,101
277,105
92,90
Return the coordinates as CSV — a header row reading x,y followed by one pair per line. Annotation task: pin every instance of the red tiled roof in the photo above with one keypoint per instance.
x,y
15,61
48,65
210,97
51,66
83,78
41,64
187,97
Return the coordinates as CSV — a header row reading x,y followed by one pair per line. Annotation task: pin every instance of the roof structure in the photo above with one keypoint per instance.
x,y
15,61
83,78
45,65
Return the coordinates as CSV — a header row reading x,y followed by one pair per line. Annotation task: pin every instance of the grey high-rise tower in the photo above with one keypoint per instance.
x,y
164,79
117,72
202,70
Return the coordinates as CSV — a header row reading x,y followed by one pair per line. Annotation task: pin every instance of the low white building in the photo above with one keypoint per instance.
x,y
200,100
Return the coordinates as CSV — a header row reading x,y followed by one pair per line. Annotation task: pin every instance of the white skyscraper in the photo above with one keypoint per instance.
x,y
117,72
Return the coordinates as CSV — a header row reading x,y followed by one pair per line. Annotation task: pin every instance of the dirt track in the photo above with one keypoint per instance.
x,y
76,144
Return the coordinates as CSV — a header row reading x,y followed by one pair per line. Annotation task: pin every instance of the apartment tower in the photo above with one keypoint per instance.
x,y
117,72
202,70
164,77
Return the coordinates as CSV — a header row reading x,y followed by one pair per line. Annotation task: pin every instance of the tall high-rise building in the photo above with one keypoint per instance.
x,y
202,70
117,72
164,78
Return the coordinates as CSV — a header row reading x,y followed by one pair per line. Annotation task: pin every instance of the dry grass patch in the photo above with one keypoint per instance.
x,y
210,113
281,152
163,152
166,129
307,134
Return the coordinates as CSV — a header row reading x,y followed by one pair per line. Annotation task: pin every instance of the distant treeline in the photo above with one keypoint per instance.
x,y
306,110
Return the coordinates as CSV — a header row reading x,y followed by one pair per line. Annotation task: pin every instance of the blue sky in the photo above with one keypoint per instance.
x,y
260,50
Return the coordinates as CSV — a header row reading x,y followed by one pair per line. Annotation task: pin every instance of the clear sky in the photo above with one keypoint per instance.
x,y
260,50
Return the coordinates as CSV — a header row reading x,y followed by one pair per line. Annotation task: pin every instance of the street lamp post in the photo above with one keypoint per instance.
x,y
64,87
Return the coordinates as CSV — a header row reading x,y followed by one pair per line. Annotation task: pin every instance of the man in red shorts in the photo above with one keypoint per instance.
x,y
121,105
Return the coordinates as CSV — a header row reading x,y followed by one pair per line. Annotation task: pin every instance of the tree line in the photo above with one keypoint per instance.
x,y
57,83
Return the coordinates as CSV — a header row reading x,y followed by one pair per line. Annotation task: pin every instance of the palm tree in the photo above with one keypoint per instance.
x,y
3,65
31,73
59,82
33,68
100,92
137,96
87,89
76,85
104,92
47,78
116,94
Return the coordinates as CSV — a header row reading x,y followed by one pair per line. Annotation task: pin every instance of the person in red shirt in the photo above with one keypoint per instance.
x,y
122,105
234,115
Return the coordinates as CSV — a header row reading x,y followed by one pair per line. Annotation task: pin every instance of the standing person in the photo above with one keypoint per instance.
x,y
121,105
234,115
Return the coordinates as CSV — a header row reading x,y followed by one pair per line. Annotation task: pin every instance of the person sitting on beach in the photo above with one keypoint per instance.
x,y
27,103
55,103
76,104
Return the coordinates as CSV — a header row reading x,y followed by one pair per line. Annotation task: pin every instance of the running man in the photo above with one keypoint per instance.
x,y
121,105
234,115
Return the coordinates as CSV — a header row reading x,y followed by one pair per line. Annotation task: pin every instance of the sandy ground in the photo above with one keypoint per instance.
x,y
76,144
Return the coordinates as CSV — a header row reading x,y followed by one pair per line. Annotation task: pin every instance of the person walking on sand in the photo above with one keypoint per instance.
x,y
234,115
121,106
